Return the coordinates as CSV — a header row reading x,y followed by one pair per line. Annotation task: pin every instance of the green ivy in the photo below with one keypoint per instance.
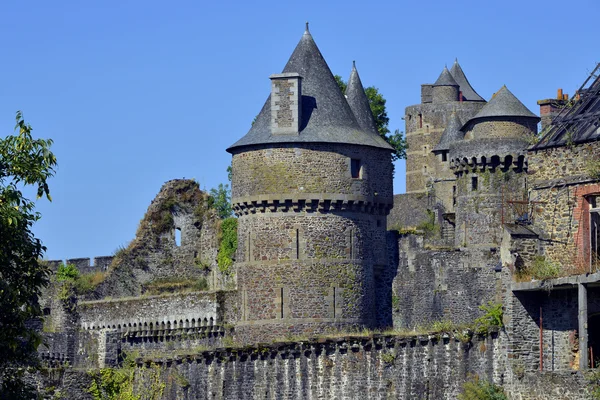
x,y
227,244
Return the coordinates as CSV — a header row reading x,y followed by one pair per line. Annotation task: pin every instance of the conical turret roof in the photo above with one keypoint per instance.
x,y
451,134
326,115
468,93
445,79
503,104
359,103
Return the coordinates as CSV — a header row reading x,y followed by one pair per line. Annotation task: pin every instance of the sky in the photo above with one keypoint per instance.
x,y
135,93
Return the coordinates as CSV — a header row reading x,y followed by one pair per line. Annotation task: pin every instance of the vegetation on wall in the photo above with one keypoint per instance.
x,y
127,382
24,162
477,389
227,244
491,319
220,200
540,268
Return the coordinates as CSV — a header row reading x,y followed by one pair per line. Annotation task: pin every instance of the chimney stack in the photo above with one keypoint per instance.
x,y
549,108
286,103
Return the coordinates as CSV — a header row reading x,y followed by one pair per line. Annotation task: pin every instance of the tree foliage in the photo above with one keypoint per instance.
x,y
378,108
24,162
220,200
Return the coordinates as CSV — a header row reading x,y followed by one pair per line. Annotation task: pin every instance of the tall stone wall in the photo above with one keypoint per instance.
x,y
435,286
560,180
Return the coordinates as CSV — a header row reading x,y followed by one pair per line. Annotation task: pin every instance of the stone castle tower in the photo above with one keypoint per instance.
x,y
312,187
489,164
448,101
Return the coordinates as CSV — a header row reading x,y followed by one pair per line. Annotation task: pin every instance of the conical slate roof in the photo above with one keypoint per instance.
x,y
503,104
468,93
451,134
326,115
359,103
445,79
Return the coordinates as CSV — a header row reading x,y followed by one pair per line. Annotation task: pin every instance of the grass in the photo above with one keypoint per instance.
x,y
540,268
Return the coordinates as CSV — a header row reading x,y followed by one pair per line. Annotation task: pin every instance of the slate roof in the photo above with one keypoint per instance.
x,y
578,123
445,79
326,115
469,94
359,103
451,134
503,104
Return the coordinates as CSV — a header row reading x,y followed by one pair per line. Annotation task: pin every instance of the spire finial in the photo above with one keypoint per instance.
x,y
306,26
353,64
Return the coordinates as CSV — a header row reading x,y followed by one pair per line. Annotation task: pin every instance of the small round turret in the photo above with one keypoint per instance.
x,y
445,89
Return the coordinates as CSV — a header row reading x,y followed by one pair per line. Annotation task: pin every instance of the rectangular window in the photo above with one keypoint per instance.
x,y
594,232
473,183
444,156
355,168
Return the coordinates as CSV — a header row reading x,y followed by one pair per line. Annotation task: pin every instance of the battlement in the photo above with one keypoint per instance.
x,y
84,265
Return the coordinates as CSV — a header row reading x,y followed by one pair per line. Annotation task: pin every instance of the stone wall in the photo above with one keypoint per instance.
x,y
435,286
311,171
409,211
559,182
172,311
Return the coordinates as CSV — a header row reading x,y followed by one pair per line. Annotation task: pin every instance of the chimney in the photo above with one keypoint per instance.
x,y
286,103
549,108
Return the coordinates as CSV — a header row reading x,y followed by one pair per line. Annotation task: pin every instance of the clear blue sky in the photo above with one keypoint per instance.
x,y
135,93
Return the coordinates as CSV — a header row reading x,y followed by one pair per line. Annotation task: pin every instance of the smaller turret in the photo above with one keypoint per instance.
x,y
445,89
359,103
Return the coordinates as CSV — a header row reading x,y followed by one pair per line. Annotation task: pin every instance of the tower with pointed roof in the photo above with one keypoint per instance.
x,y
430,128
489,164
312,186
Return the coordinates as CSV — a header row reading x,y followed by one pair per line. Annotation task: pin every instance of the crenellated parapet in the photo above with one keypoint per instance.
x,y
310,202
516,161
84,265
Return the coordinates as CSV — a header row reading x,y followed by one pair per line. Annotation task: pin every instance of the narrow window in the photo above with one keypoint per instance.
x,y
334,302
46,311
420,120
177,237
379,223
473,183
355,168
453,195
444,156
281,305
297,244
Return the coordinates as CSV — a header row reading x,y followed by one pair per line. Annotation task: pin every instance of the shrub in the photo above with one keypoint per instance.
x,y
477,389
491,319
67,272
541,268
86,283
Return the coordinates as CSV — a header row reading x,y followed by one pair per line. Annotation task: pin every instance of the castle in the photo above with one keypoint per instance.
x,y
494,214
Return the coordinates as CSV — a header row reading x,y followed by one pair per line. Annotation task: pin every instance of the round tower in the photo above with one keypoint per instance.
x,y
489,164
312,189
445,89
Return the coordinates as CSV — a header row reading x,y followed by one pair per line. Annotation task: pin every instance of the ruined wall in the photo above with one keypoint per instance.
x,y
559,181
442,285
154,257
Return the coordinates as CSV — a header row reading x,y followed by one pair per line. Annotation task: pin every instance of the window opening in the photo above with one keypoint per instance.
x,y
420,120
281,303
297,244
355,168
453,195
474,183
378,223
334,302
594,232
444,156
177,237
